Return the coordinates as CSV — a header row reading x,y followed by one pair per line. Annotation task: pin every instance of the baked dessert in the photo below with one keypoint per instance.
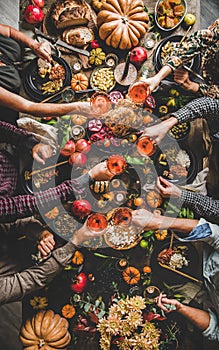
x,y
69,13
79,36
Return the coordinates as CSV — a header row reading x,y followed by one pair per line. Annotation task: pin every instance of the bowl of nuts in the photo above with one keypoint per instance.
x,y
102,78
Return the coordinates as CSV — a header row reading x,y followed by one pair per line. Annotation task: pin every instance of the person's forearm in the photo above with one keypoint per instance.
x,y
16,136
15,287
203,107
199,318
17,35
20,104
204,206
175,224
163,73
12,208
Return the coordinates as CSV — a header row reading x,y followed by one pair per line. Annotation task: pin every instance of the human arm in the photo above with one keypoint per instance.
x,y
12,208
16,136
203,107
15,287
42,49
200,318
150,221
20,104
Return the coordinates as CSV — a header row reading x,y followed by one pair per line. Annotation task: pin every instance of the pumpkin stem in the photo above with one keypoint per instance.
x,y
41,342
124,19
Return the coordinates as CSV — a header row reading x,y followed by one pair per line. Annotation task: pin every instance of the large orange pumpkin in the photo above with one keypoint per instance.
x,y
122,23
44,331
131,275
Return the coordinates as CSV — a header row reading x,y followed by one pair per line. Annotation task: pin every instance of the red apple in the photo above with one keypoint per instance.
x,y
82,146
80,283
33,14
81,207
68,149
138,55
39,3
78,159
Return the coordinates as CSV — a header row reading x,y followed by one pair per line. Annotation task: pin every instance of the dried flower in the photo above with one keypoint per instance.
x,y
39,303
126,327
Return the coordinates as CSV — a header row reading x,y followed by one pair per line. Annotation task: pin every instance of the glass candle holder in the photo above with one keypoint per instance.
x,y
150,40
68,95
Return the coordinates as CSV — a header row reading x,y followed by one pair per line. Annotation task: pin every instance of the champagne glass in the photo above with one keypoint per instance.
x,y
116,164
97,222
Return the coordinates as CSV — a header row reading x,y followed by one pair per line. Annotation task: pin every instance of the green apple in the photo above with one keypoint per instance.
x,y
189,19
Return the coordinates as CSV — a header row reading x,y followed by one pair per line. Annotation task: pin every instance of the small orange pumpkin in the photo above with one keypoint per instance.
x,y
131,275
78,119
146,269
161,234
154,199
78,258
79,82
68,311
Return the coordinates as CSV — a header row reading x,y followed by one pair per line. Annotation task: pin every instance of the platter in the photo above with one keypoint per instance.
x,y
168,44
175,164
169,15
33,82
172,277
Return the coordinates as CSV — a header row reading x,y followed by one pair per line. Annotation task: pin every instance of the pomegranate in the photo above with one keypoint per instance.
x,y
80,283
81,207
39,3
33,14
94,44
68,149
138,55
78,159
82,146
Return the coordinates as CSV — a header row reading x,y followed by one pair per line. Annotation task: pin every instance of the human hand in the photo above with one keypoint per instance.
x,y
167,305
42,50
181,76
151,83
41,152
46,244
100,172
84,234
167,189
145,219
84,108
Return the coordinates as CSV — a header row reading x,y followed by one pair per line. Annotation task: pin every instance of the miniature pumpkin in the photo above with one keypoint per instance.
x,y
78,119
79,82
45,330
122,23
97,56
97,4
161,234
154,199
131,275
78,258
68,311
146,269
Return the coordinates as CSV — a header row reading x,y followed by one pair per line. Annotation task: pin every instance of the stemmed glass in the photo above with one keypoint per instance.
x,y
97,222
116,164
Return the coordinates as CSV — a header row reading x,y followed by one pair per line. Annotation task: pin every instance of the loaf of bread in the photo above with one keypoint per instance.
x,y
78,36
69,13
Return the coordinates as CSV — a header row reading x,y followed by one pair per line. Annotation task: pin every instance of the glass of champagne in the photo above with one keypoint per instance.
x,y
116,164
97,222
122,216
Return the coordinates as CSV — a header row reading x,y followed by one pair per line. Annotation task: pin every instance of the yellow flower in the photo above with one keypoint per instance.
x,y
39,303
137,303
134,319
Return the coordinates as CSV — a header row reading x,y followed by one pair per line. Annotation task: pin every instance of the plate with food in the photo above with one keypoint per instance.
x,y
164,51
102,78
170,13
64,225
120,233
175,164
177,264
43,79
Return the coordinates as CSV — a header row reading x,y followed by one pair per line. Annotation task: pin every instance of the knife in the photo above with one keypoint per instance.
x,y
59,42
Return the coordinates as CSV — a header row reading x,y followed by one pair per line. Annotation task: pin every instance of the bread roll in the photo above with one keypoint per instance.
x,y
79,36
